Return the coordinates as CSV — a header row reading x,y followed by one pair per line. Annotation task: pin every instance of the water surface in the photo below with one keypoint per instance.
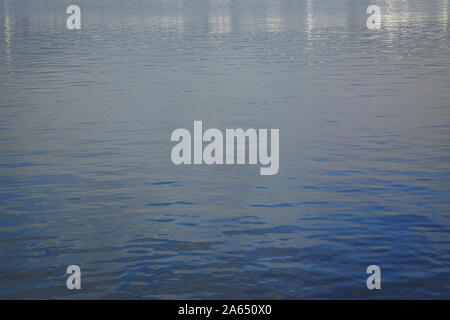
x,y
85,170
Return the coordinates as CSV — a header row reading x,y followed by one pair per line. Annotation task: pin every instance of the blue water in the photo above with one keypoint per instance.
x,y
85,170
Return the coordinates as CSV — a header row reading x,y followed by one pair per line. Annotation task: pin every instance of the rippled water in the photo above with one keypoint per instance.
x,y
85,170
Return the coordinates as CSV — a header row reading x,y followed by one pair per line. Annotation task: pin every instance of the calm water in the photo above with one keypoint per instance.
x,y
85,170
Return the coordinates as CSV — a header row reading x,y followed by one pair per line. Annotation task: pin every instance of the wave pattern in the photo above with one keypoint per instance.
x,y
85,170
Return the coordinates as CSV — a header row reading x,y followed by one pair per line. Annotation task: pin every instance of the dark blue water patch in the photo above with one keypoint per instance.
x,y
171,245
160,220
20,165
145,257
318,159
289,204
278,205
31,205
124,198
74,198
168,204
39,180
340,172
162,183
181,215
188,224
283,229
6,196
244,220
299,187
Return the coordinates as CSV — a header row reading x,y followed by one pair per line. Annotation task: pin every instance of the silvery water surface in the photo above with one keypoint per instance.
x,y
85,170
